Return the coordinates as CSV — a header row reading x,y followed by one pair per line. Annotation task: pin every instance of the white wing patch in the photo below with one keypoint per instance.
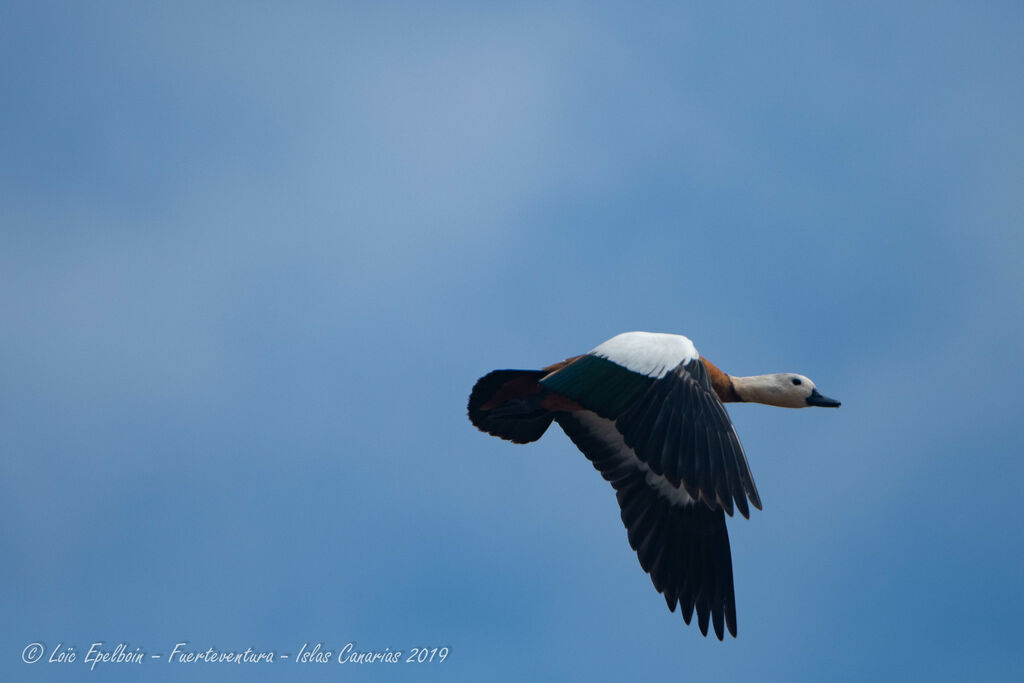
x,y
648,353
605,430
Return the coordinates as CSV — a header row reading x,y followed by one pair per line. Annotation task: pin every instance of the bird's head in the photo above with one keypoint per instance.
x,y
784,389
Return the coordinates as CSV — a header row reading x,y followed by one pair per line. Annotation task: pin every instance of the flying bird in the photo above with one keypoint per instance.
x,y
646,409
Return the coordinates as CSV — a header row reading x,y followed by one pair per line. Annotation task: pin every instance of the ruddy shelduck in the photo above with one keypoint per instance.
x,y
646,409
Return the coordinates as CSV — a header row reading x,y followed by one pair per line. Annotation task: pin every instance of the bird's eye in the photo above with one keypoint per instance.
x,y
796,381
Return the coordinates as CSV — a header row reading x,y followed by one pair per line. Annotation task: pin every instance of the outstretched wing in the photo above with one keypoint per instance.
x,y
662,404
684,546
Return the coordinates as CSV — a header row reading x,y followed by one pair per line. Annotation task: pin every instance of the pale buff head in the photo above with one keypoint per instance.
x,y
784,389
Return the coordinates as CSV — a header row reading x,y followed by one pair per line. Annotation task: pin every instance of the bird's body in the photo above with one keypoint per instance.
x,y
647,411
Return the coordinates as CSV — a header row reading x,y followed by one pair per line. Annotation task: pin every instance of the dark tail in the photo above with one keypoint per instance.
x,y
507,404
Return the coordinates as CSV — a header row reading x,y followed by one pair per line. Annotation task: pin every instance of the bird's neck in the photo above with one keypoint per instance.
x,y
758,389
721,382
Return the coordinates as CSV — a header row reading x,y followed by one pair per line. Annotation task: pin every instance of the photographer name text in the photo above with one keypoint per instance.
x,y
102,653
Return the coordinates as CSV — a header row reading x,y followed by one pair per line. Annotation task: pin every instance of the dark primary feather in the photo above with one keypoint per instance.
x,y
684,548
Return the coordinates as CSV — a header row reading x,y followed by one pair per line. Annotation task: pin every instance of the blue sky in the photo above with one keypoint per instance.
x,y
253,257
